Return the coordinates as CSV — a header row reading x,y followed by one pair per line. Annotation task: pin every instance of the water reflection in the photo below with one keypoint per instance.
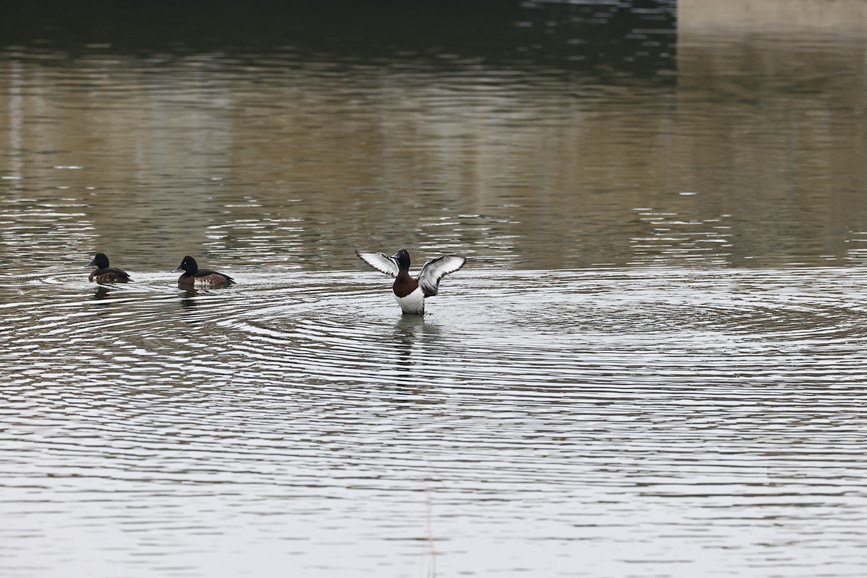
x,y
293,166
656,341
414,337
608,39
406,332
101,292
188,298
425,130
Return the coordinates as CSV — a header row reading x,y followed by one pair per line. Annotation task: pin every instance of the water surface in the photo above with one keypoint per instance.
x,y
650,366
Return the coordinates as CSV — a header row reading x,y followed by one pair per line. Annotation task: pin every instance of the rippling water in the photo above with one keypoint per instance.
x,y
650,366
593,422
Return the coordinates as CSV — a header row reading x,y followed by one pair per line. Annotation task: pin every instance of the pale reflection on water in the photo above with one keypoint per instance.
x,y
651,364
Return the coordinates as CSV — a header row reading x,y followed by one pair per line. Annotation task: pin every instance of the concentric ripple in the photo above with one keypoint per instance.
x,y
673,411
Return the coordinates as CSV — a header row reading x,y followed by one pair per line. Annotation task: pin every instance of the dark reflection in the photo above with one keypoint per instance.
x,y
188,298
631,39
101,292
410,334
406,331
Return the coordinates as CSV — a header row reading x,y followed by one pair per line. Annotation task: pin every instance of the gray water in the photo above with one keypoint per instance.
x,y
651,364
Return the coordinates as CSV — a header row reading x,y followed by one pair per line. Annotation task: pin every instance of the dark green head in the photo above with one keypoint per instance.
x,y
402,258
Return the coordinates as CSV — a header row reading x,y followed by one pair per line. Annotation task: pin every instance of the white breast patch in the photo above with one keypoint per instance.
x,y
412,304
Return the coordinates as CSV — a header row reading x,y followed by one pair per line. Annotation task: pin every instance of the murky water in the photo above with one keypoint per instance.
x,y
652,364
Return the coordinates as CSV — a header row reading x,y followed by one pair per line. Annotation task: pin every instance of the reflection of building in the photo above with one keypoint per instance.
x,y
558,135
765,101
837,16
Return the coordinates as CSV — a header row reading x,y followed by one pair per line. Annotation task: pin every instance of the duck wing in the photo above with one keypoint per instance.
x,y
435,269
380,261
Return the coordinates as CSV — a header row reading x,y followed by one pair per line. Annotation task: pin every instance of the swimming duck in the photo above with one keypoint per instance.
x,y
105,274
410,293
193,276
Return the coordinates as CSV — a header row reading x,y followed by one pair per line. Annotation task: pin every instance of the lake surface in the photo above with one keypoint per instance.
x,y
651,365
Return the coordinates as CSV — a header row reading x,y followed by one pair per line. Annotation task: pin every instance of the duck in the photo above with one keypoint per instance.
x,y
410,293
193,276
105,274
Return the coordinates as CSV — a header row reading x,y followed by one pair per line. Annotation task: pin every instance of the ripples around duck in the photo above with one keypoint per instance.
x,y
625,419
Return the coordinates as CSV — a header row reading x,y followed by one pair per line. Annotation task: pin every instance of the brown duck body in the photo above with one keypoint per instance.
x,y
205,277
110,275
193,276
105,274
404,284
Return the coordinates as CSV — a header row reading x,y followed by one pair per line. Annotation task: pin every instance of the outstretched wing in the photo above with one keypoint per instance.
x,y
436,269
379,261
